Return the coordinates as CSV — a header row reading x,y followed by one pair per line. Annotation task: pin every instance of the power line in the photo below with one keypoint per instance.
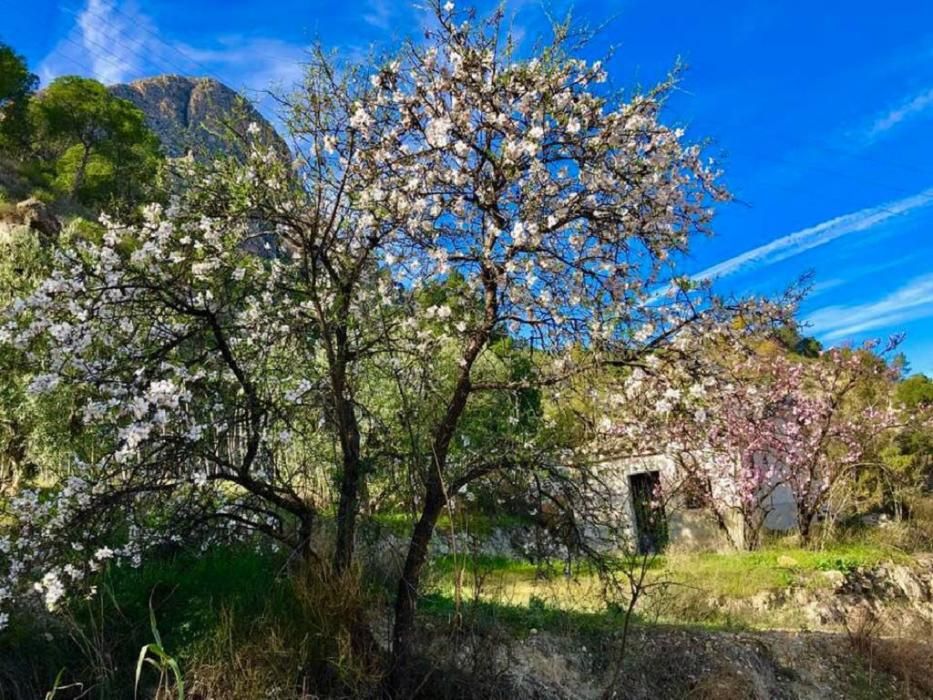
x,y
172,47
154,37
115,61
136,52
155,58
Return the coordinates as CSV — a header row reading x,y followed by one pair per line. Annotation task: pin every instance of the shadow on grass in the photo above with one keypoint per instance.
x,y
522,620
96,642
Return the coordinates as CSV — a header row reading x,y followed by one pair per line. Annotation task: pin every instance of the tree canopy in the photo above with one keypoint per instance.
x,y
17,85
91,147
916,391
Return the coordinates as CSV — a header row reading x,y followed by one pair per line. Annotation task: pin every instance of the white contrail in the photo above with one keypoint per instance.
x,y
797,242
912,301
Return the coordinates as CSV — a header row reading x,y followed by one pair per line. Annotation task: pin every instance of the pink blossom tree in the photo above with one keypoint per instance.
x,y
806,424
768,420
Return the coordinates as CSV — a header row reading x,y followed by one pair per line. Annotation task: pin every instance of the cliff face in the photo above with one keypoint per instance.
x,y
196,115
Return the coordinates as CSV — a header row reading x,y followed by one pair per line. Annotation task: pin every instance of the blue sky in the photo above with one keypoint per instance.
x,y
821,113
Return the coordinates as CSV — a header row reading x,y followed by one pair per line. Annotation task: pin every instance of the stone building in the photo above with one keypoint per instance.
x,y
660,504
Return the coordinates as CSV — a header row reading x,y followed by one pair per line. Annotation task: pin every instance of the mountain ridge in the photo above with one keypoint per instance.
x,y
196,115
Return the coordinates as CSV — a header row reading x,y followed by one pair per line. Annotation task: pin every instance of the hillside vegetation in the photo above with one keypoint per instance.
x,y
368,415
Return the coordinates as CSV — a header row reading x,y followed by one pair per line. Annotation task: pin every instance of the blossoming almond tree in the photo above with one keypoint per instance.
x,y
558,202
183,343
804,424
235,322
333,220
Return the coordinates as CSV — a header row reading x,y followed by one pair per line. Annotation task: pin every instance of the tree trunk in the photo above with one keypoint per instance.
x,y
78,182
305,530
349,434
348,506
406,597
754,524
805,526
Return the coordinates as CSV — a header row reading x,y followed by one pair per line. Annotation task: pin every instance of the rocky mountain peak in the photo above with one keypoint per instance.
x,y
195,115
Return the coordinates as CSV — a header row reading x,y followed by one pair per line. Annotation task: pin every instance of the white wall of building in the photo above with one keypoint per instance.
x,y
693,528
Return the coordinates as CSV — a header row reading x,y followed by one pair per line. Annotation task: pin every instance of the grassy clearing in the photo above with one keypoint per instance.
x,y
696,581
241,625
521,620
239,630
745,574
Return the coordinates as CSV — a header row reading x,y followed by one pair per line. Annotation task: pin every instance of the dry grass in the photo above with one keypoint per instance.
x,y
724,683
265,664
317,644
908,659
9,213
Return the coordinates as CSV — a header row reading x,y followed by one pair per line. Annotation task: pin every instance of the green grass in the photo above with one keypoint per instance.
x,y
190,592
697,581
744,574
521,620
448,563
732,574
229,603
192,596
478,524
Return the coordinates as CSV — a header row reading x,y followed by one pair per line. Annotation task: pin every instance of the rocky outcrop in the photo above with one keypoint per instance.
x,y
32,214
36,215
899,595
200,116
660,662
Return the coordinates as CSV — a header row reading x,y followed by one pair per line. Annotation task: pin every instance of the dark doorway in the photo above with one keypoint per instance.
x,y
650,522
